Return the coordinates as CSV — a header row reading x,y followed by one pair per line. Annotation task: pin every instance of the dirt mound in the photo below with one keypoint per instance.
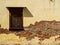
x,y
42,29
45,29
2,30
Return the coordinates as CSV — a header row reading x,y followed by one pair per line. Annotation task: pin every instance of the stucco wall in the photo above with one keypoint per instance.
x,y
40,9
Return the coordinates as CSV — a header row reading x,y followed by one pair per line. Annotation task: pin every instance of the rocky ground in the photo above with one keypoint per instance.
x,y
41,33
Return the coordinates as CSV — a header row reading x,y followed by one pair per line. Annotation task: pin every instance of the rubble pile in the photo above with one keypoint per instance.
x,y
43,29
2,30
41,33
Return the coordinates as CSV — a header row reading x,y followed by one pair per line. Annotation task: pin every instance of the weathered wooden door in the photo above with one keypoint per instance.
x,y
16,18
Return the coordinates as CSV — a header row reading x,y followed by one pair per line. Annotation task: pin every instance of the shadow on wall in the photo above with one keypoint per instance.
x,y
26,12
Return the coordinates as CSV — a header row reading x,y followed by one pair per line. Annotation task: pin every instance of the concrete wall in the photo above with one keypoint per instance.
x,y
40,9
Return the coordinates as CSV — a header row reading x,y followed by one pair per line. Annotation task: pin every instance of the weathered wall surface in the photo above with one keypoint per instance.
x,y
40,9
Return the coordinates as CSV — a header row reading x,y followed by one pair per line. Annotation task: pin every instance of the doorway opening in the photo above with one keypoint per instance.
x,y
15,18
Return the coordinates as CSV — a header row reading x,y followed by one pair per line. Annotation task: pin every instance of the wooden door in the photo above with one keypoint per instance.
x,y
16,18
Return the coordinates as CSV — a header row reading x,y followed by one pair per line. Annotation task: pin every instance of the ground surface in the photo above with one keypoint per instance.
x,y
41,33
